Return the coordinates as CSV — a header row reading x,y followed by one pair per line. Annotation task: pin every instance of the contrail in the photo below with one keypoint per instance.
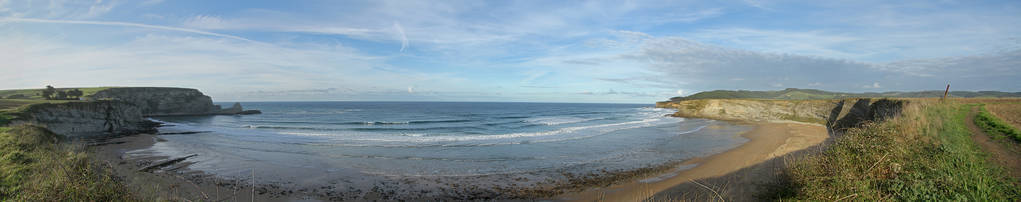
x,y
123,24
404,38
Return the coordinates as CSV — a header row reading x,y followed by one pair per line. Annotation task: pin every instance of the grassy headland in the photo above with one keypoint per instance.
x,y
926,154
36,166
36,94
808,94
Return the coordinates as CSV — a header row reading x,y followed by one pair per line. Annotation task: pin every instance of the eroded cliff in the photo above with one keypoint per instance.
x,y
835,114
79,119
157,101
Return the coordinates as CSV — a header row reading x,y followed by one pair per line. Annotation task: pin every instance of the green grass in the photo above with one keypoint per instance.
x,y
36,166
35,94
807,94
995,127
925,155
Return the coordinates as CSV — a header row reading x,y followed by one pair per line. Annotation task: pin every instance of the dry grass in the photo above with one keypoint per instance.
x,y
36,167
1007,111
924,155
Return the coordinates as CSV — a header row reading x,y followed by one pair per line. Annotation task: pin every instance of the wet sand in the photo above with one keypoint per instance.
x,y
176,182
766,141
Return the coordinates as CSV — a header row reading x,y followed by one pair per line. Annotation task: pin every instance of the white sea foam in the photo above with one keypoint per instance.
x,y
557,120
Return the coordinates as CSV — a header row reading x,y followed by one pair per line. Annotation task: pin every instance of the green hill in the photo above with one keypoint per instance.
x,y
36,94
806,94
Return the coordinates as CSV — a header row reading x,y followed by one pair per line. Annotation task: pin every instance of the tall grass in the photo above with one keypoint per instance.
x,y
36,166
924,155
995,127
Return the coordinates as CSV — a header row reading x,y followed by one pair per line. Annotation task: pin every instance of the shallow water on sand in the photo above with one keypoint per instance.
x,y
309,142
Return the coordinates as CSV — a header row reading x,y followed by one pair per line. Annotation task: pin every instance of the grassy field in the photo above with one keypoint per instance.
x,y
995,127
924,155
1008,110
36,94
36,166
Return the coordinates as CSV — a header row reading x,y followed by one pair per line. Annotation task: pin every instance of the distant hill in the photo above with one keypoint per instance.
x,y
805,94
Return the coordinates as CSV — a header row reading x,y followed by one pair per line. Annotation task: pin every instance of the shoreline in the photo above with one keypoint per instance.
x,y
765,142
179,181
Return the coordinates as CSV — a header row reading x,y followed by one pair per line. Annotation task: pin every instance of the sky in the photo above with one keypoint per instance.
x,y
521,51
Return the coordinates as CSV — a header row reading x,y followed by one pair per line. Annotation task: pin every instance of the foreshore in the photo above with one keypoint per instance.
x,y
767,141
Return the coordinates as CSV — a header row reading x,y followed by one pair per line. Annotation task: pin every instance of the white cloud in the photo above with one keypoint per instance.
x,y
701,65
205,63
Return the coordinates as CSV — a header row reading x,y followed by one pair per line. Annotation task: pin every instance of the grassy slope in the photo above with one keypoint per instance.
x,y
35,166
925,155
35,94
804,94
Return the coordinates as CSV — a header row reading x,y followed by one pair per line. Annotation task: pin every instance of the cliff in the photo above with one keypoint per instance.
x,y
116,111
156,101
835,114
80,119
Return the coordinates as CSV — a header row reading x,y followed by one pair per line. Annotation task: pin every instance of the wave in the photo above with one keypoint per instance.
x,y
371,122
361,129
558,120
510,138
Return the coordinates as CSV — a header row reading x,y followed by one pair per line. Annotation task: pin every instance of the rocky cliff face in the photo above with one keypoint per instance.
x,y
835,114
154,101
80,119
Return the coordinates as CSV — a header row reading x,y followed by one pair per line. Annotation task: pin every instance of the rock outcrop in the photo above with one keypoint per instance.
x,y
155,101
82,119
838,115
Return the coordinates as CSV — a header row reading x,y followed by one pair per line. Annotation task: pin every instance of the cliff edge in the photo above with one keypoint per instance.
x,y
836,114
114,111
157,101
80,119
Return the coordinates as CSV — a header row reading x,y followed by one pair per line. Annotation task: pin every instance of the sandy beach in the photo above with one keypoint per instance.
x,y
767,141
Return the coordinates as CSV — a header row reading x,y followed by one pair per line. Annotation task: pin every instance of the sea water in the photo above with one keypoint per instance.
x,y
304,141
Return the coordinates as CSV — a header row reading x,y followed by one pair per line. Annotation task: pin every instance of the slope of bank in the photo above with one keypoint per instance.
x,y
903,149
36,166
926,154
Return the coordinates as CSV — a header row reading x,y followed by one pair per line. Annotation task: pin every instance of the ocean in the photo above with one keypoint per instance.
x,y
329,142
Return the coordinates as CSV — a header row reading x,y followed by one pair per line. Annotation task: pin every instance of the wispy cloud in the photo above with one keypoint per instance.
x,y
122,24
403,37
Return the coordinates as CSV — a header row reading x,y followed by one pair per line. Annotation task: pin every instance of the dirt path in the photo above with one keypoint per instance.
x,y
1007,156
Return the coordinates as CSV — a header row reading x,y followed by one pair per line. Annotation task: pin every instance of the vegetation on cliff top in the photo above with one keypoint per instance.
x,y
806,94
37,94
36,166
925,155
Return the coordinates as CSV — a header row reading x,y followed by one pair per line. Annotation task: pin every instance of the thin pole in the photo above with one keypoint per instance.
x,y
253,184
946,92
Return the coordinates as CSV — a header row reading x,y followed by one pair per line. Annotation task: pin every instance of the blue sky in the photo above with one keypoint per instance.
x,y
535,51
